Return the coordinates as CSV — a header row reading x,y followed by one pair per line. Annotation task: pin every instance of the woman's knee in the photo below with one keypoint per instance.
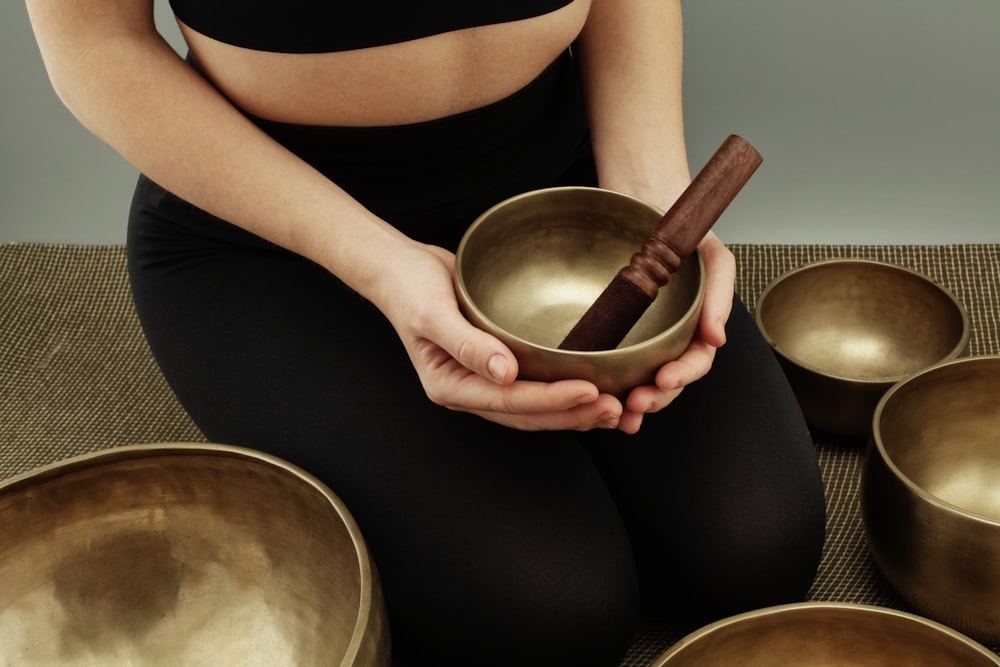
x,y
758,550
567,619
569,598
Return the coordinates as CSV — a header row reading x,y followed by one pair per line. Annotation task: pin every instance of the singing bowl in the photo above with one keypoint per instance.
x,y
528,268
930,493
845,330
184,554
826,634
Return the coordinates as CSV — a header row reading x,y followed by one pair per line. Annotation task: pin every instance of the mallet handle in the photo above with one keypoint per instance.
x,y
676,236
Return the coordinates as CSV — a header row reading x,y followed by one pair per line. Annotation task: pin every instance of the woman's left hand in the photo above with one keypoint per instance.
x,y
670,380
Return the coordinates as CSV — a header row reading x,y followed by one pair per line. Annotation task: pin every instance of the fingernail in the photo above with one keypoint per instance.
x,y
670,386
498,366
608,420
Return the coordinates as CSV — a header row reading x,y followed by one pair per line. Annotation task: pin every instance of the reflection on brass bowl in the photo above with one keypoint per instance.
x,y
845,330
930,493
826,634
529,267
183,554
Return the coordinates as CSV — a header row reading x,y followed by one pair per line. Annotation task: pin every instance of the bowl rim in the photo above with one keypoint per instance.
x,y
954,353
652,342
883,454
366,570
795,607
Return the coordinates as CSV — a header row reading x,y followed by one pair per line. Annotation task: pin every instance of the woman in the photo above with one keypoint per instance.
x,y
307,174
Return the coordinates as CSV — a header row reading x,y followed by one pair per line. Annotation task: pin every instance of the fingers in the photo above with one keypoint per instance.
x,y
474,349
473,393
604,412
564,405
643,401
691,366
720,269
670,380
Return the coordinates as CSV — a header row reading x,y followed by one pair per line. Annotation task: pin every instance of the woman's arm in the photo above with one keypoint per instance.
x,y
632,66
631,55
118,76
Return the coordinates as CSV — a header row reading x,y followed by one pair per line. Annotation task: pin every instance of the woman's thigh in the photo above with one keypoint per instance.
x,y
722,491
486,538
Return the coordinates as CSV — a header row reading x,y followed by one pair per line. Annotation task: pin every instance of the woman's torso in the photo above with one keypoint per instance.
x,y
393,84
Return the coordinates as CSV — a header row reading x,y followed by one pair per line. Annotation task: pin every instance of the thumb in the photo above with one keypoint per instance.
x,y
480,352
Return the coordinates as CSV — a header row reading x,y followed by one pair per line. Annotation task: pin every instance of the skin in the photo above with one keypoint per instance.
x,y
126,85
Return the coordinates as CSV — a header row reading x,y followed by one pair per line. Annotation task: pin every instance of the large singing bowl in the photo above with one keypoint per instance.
x,y
528,268
845,330
930,493
826,634
179,554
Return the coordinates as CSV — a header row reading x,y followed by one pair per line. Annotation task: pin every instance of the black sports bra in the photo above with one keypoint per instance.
x,y
321,26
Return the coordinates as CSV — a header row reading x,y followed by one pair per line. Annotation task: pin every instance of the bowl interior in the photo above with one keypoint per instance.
x,y
826,635
535,264
179,556
940,429
861,320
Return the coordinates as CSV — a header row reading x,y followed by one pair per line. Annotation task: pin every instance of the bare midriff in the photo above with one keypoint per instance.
x,y
409,82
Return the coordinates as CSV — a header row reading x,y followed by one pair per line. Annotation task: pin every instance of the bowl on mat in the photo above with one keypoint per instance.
x,y
845,330
183,554
826,634
930,493
528,268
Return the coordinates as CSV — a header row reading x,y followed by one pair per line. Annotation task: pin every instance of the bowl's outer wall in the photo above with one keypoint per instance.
x,y
942,558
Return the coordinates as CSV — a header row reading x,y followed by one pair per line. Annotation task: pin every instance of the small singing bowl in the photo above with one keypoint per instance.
x,y
184,554
845,330
930,493
528,268
827,634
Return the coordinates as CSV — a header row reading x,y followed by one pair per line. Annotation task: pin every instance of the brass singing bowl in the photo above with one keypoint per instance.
x,y
183,554
930,493
845,330
826,634
528,268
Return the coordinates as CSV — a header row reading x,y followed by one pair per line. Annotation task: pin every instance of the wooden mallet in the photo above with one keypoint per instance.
x,y
678,233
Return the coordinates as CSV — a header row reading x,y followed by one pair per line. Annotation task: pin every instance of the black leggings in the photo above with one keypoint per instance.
x,y
495,546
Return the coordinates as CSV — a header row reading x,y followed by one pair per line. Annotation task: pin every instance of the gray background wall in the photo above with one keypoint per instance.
x,y
877,119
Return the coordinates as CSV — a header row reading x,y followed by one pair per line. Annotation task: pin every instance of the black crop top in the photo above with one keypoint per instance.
x,y
321,26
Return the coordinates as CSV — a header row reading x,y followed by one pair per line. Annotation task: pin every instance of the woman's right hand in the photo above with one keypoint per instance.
x,y
466,369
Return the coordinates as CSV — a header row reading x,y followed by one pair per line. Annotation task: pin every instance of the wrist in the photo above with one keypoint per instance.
x,y
359,249
661,189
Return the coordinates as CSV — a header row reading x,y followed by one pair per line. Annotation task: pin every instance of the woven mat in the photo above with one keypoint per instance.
x,y
76,376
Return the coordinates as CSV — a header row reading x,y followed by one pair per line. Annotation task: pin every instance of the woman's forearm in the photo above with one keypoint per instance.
x,y
631,60
127,86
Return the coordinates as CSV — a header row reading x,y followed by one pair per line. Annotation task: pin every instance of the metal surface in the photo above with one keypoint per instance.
x,y
826,634
181,554
930,493
846,330
528,268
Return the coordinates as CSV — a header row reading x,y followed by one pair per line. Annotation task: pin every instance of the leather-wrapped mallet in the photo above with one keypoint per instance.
x,y
630,293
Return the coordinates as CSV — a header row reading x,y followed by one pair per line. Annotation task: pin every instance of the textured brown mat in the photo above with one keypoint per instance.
x,y
76,376
75,372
